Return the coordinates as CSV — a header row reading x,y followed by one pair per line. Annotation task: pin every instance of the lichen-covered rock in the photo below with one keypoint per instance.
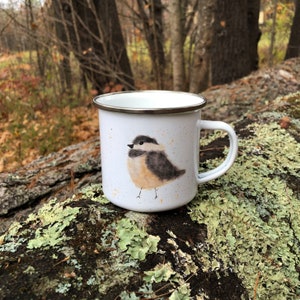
x,y
60,174
85,247
252,213
238,239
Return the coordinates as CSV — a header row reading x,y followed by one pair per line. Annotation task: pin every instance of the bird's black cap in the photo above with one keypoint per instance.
x,y
140,139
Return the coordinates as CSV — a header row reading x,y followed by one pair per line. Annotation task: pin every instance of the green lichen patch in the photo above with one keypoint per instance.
x,y
162,282
119,244
94,192
65,248
10,241
174,270
113,267
43,229
135,241
252,215
53,218
160,273
47,227
175,286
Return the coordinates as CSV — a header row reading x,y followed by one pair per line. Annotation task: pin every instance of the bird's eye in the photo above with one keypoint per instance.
x,y
141,143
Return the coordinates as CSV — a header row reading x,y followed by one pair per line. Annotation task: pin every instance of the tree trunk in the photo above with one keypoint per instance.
x,y
200,67
177,46
97,42
293,48
32,28
273,33
254,32
153,30
63,45
232,48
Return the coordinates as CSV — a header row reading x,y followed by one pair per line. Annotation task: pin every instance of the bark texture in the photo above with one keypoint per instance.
x,y
153,31
200,72
96,39
293,48
177,38
236,35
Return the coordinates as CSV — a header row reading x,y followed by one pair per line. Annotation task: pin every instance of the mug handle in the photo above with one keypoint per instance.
x,y
231,156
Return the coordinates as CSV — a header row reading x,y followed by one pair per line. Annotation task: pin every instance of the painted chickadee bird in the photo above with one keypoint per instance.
x,y
148,164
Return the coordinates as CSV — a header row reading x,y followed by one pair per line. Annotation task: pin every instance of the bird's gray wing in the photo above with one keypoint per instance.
x,y
158,163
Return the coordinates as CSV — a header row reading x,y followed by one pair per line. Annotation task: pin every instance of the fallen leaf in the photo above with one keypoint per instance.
x,y
285,122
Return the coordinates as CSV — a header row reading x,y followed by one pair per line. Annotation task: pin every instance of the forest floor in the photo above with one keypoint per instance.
x,y
34,118
31,126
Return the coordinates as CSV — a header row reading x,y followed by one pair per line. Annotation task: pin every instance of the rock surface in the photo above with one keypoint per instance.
x,y
238,239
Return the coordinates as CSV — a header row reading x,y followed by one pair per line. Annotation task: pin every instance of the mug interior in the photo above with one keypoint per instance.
x,y
152,101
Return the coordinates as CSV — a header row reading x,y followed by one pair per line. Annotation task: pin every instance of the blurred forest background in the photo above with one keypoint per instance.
x,y
55,56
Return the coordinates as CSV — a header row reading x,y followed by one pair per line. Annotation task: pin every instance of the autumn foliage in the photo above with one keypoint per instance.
x,y
33,121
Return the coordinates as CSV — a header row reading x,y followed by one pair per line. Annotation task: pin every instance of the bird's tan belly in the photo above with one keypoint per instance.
x,y
140,174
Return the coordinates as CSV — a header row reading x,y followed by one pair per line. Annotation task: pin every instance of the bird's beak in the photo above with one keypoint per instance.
x,y
130,146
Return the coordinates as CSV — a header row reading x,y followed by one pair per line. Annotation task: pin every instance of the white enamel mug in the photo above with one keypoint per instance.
x,y
150,148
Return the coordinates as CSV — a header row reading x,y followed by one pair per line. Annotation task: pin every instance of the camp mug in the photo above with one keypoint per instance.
x,y
150,148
